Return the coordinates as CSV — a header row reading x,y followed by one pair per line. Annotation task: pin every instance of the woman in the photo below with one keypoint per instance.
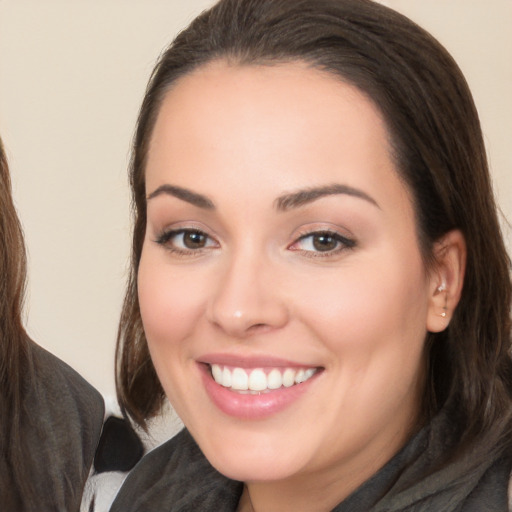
x,y
319,283
51,417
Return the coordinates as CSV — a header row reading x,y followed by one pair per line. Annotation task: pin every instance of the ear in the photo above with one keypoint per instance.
x,y
446,280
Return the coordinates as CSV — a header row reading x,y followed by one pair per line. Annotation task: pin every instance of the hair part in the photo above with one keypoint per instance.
x,y
440,155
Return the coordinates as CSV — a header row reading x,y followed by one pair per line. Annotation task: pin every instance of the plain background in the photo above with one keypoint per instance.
x,y
72,75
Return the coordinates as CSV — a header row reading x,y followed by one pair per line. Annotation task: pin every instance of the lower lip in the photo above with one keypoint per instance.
x,y
249,406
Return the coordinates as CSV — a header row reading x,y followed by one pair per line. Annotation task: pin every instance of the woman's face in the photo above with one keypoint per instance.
x,y
281,286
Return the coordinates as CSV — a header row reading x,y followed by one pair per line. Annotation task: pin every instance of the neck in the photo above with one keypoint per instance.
x,y
259,497
319,490
245,504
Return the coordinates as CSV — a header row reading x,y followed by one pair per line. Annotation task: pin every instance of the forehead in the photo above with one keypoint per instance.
x,y
274,99
291,123
296,86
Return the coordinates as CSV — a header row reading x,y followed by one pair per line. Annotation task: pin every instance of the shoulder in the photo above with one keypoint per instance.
x,y
122,444
176,477
68,409
56,381
492,492
61,423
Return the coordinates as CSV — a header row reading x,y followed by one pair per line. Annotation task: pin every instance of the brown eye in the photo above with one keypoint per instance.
x,y
194,239
186,240
324,242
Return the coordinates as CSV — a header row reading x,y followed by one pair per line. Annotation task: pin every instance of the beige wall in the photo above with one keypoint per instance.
x,y
72,74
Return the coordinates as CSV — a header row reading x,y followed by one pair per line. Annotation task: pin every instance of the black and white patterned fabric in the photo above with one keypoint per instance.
x,y
120,448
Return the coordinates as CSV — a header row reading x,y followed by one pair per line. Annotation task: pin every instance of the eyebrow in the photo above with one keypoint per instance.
x,y
185,195
302,197
283,203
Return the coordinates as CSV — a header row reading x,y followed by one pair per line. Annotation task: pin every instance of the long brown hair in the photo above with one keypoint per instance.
x,y
438,146
14,354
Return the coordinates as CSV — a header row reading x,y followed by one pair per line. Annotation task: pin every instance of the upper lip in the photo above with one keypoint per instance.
x,y
252,361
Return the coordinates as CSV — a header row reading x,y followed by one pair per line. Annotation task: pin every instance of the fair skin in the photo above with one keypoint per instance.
x,y
281,240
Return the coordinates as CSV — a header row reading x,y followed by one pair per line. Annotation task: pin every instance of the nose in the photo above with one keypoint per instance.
x,y
248,298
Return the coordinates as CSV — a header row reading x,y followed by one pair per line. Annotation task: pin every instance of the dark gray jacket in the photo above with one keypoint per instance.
x,y
61,424
176,477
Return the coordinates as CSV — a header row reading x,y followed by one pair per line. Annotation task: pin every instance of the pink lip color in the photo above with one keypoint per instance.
x,y
250,362
248,406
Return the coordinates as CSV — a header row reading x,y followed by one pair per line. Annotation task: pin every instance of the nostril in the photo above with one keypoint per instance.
x,y
258,327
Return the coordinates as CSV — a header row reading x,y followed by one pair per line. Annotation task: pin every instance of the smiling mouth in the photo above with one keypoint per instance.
x,y
259,380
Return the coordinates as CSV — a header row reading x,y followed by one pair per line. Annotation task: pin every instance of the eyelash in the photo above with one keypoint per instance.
x,y
342,243
165,239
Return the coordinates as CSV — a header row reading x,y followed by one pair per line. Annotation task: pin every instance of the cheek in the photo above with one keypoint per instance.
x,y
374,309
170,309
169,306
374,326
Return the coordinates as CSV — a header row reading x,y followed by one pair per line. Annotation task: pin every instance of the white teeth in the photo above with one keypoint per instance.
x,y
309,373
274,379
217,373
240,379
226,378
257,380
288,377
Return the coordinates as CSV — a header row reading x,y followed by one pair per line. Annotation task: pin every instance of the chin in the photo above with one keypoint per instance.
x,y
255,462
249,471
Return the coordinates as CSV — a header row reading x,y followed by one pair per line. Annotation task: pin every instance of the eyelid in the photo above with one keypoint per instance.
x,y
165,235
170,233
184,225
323,227
346,240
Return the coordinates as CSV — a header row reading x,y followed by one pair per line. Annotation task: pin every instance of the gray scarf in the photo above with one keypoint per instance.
x,y
409,482
176,477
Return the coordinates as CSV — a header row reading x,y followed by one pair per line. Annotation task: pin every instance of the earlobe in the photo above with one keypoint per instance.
x,y
440,289
446,280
